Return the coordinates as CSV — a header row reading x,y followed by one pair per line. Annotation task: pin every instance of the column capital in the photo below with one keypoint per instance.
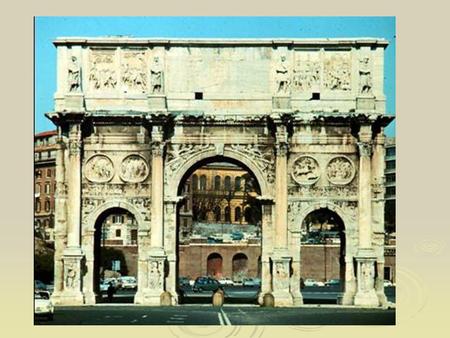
x,y
157,148
75,142
365,149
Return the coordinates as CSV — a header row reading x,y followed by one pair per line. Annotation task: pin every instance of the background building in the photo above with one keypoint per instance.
x,y
390,185
45,185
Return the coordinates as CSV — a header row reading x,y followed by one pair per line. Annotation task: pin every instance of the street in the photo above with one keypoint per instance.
x,y
208,315
248,295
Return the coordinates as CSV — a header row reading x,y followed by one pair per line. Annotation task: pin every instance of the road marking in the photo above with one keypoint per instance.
x,y
134,321
144,316
220,319
225,317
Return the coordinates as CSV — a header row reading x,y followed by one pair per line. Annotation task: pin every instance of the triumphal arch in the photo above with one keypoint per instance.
x,y
135,116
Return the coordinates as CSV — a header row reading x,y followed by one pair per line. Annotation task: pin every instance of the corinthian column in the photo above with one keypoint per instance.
x,y
365,258
281,256
157,258
72,254
157,194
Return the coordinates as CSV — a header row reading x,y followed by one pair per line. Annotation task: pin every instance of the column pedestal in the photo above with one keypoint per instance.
x,y
365,294
151,295
71,294
281,291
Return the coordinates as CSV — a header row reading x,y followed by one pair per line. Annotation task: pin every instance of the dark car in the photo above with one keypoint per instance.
x,y
183,281
206,284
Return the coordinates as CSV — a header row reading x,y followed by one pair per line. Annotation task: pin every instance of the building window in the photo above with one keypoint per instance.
x,y
390,165
39,174
47,205
49,154
390,178
49,172
390,191
194,183
217,183
237,183
134,236
38,206
203,182
118,232
228,183
237,214
37,189
390,151
118,219
227,215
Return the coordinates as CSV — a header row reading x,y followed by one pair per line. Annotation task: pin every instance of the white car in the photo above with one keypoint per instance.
x,y
387,283
43,306
310,282
226,281
128,282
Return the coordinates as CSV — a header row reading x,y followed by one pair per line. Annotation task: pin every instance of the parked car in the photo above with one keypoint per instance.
x,y
310,282
115,282
333,282
251,282
226,281
183,281
38,285
206,284
127,282
104,286
387,283
43,306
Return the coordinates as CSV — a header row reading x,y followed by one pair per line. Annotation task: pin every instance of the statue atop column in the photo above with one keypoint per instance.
x,y
74,75
282,76
365,77
156,76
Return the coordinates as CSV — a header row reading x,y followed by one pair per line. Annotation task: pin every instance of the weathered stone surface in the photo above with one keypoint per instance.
x,y
135,116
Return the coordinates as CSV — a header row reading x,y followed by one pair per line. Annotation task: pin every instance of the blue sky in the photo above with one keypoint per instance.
x,y
48,28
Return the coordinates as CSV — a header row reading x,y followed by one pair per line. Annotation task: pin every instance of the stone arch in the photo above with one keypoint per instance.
x,y
96,213
261,177
349,224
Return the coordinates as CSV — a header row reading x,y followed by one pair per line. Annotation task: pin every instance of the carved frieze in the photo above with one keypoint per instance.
x,y
305,170
102,73
134,169
71,280
340,170
337,71
307,71
177,154
134,72
263,158
155,276
99,169
332,192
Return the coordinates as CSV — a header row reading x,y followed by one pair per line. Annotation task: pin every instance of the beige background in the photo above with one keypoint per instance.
x,y
422,157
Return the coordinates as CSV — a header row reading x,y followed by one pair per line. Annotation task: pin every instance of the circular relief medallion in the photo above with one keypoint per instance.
x,y
305,170
99,169
134,169
340,170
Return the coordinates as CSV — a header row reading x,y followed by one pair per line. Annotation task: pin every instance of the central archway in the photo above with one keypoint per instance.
x,y
212,226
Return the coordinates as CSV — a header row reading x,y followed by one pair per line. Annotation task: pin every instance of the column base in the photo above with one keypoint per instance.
x,y
297,298
90,298
368,298
348,298
283,298
69,298
148,297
